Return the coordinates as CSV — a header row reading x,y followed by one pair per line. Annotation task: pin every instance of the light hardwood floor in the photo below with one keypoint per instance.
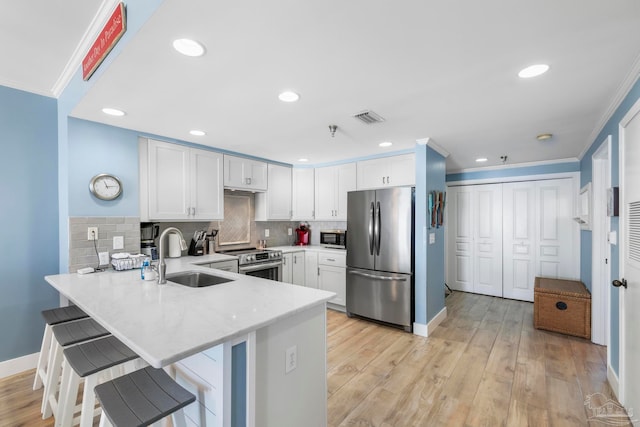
x,y
484,366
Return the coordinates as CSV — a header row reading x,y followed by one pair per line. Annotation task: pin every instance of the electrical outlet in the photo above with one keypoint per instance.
x,y
266,232
92,233
118,242
291,359
289,231
432,238
103,257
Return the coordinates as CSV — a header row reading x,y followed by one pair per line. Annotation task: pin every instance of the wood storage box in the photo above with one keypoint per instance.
x,y
562,306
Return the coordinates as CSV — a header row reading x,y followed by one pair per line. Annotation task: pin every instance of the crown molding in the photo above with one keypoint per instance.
x,y
104,11
429,142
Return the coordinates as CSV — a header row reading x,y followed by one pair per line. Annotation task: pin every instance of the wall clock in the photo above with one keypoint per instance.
x,y
105,186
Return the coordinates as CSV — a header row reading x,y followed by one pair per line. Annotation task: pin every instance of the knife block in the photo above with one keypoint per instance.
x,y
196,248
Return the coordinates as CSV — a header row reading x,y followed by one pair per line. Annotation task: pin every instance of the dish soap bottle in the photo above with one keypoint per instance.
x,y
144,268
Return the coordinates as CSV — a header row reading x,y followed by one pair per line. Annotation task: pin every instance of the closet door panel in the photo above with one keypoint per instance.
x,y
460,239
487,215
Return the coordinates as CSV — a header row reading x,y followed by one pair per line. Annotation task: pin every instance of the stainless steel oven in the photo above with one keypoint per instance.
x,y
266,264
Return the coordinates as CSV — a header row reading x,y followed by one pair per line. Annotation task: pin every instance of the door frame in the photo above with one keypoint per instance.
x,y
633,111
601,226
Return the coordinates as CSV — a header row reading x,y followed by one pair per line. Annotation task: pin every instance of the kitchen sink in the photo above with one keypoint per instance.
x,y
196,279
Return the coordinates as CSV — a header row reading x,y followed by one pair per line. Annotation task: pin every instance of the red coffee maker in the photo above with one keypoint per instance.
x,y
302,233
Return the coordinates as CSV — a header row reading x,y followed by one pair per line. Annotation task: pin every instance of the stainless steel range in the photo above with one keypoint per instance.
x,y
263,263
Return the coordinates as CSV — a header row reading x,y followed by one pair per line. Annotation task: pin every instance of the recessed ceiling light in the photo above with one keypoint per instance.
x,y
303,160
544,136
288,96
386,144
196,132
533,71
188,47
113,112
481,159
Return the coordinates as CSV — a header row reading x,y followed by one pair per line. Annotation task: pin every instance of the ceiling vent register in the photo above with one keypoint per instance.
x,y
368,117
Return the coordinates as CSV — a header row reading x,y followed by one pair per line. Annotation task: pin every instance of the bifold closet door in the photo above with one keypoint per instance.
x,y
539,235
475,239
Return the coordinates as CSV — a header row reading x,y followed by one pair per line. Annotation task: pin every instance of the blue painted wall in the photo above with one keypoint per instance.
x,y
429,259
515,171
610,128
29,216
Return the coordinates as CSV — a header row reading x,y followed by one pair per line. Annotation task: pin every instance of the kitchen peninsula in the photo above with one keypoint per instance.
x,y
171,323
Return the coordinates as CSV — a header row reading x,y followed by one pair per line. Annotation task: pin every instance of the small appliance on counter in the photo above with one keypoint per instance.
x,y
336,239
148,234
302,235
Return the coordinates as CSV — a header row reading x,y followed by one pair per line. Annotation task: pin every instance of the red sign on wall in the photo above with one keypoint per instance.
x,y
106,40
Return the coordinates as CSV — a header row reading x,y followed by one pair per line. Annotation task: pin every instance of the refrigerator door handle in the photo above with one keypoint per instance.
x,y
376,228
371,228
373,276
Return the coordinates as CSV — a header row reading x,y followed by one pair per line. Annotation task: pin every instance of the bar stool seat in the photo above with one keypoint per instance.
x,y
52,317
91,361
142,398
65,334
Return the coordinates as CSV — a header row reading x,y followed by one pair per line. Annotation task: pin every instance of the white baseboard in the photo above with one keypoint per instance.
x,y
17,365
613,382
425,330
438,318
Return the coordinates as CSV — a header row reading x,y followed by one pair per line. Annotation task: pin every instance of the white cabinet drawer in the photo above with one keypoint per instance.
x,y
336,260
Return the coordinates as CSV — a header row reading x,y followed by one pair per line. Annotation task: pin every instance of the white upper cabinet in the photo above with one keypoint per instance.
x,y
245,174
180,183
302,195
332,184
275,203
392,171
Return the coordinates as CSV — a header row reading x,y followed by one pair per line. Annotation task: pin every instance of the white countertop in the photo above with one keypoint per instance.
x,y
166,323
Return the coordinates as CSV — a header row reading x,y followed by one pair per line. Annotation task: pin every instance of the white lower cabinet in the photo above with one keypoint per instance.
x,y
332,275
293,268
311,269
202,374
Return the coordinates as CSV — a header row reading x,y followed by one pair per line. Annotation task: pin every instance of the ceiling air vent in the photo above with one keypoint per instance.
x,y
368,117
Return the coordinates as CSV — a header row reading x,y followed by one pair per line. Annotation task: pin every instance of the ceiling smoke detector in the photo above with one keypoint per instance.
x,y
368,117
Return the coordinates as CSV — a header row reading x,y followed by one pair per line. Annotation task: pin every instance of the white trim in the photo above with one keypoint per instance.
x,y
600,223
498,180
19,364
621,93
420,329
104,11
423,141
635,109
516,165
436,147
437,319
25,88
613,381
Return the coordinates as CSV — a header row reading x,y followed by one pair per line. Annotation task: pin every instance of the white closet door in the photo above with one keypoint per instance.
x,y
519,243
557,253
487,218
460,239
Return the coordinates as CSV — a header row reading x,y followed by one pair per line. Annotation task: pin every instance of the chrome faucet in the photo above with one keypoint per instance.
x,y
162,267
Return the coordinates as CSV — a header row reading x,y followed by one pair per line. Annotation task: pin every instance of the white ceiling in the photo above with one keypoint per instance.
x,y
443,70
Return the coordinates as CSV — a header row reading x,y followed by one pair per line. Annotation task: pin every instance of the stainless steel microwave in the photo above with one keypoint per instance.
x,y
334,238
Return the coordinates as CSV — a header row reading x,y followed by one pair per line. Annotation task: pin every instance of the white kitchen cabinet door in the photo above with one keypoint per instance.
x,y
245,174
168,181
460,238
331,187
207,193
275,203
311,269
297,268
302,197
287,268
391,171
333,279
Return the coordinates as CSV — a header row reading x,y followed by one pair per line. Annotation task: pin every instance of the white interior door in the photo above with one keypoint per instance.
x,y
630,260
460,241
487,218
519,240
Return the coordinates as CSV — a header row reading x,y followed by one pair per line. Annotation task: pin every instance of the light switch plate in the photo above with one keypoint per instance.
x,y
118,242
266,232
432,238
291,359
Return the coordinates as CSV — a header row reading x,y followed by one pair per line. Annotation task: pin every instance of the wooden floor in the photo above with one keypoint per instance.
x,y
484,366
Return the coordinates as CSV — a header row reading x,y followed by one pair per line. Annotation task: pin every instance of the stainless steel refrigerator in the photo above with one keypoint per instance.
x,y
380,264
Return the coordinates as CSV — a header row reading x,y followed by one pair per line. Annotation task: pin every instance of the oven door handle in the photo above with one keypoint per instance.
x,y
251,268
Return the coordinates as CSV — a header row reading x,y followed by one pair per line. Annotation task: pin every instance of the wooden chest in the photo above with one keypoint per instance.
x,y
562,306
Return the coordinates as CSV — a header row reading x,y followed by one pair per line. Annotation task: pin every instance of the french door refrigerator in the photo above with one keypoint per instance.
x,y
380,264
